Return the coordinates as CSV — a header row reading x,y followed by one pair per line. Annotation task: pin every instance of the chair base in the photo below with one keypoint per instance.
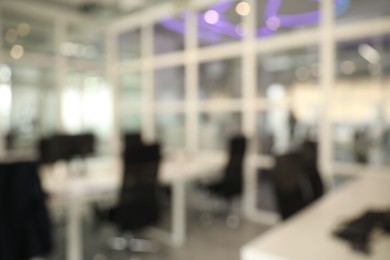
x,y
132,244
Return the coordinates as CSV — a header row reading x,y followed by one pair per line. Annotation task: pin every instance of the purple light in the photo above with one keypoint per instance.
x,y
213,23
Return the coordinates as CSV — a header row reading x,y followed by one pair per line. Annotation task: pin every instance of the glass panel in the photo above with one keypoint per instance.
x,y
169,84
129,45
215,129
32,107
357,112
87,106
281,74
130,96
275,17
220,79
349,11
169,35
171,130
84,43
26,33
129,90
130,123
221,23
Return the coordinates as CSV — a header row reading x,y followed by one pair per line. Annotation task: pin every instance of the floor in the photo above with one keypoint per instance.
x,y
206,240
212,240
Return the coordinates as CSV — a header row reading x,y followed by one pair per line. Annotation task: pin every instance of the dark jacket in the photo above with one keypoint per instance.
x,y
24,220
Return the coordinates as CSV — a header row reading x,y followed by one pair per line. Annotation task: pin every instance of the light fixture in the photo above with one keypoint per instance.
x,y
369,53
273,23
243,8
211,17
23,29
17,51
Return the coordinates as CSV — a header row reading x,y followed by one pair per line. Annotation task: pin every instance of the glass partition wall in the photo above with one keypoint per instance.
x,y
52,80
191,79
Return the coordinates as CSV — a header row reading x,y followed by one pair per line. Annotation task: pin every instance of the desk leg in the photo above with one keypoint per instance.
x,y
178,213
74,246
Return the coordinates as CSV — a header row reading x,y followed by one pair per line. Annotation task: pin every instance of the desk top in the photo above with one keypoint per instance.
x,y
105,174
308,235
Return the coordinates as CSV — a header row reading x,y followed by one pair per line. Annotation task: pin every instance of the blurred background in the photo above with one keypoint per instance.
x,y
192,74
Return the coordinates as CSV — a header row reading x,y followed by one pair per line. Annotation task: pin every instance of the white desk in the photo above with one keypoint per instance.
x,y
104,177
308,235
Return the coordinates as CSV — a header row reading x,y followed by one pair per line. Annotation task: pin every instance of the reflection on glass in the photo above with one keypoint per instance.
x,y
32,107
359,132
169,84
129,45
215,130
169,35
84,43
30,33
290,70
171,130
352,10
220,79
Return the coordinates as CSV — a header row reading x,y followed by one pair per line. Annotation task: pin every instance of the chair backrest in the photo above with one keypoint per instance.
x,y
309,157
132,139
294,184
65,147
234,169
138,204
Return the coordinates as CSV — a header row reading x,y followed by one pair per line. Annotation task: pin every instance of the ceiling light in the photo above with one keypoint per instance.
x,y
273,23
23,29
243,8
211,17
369,53
17,51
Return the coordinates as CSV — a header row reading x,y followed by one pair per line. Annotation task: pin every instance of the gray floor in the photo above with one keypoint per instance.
x,y
205,241
214,241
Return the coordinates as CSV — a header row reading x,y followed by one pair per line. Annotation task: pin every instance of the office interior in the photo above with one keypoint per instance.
x,y
190,75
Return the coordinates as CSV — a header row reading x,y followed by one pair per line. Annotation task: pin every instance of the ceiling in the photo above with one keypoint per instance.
x,y
100,8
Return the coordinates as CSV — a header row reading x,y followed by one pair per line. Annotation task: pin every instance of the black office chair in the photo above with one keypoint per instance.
x,y
138,205
230,185
132,140
309,156
24,220
296,182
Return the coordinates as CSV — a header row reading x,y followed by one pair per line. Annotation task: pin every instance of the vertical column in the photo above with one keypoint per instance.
x,y
380,123
60,67
148,113
249,107
327,83
112,79
191,82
